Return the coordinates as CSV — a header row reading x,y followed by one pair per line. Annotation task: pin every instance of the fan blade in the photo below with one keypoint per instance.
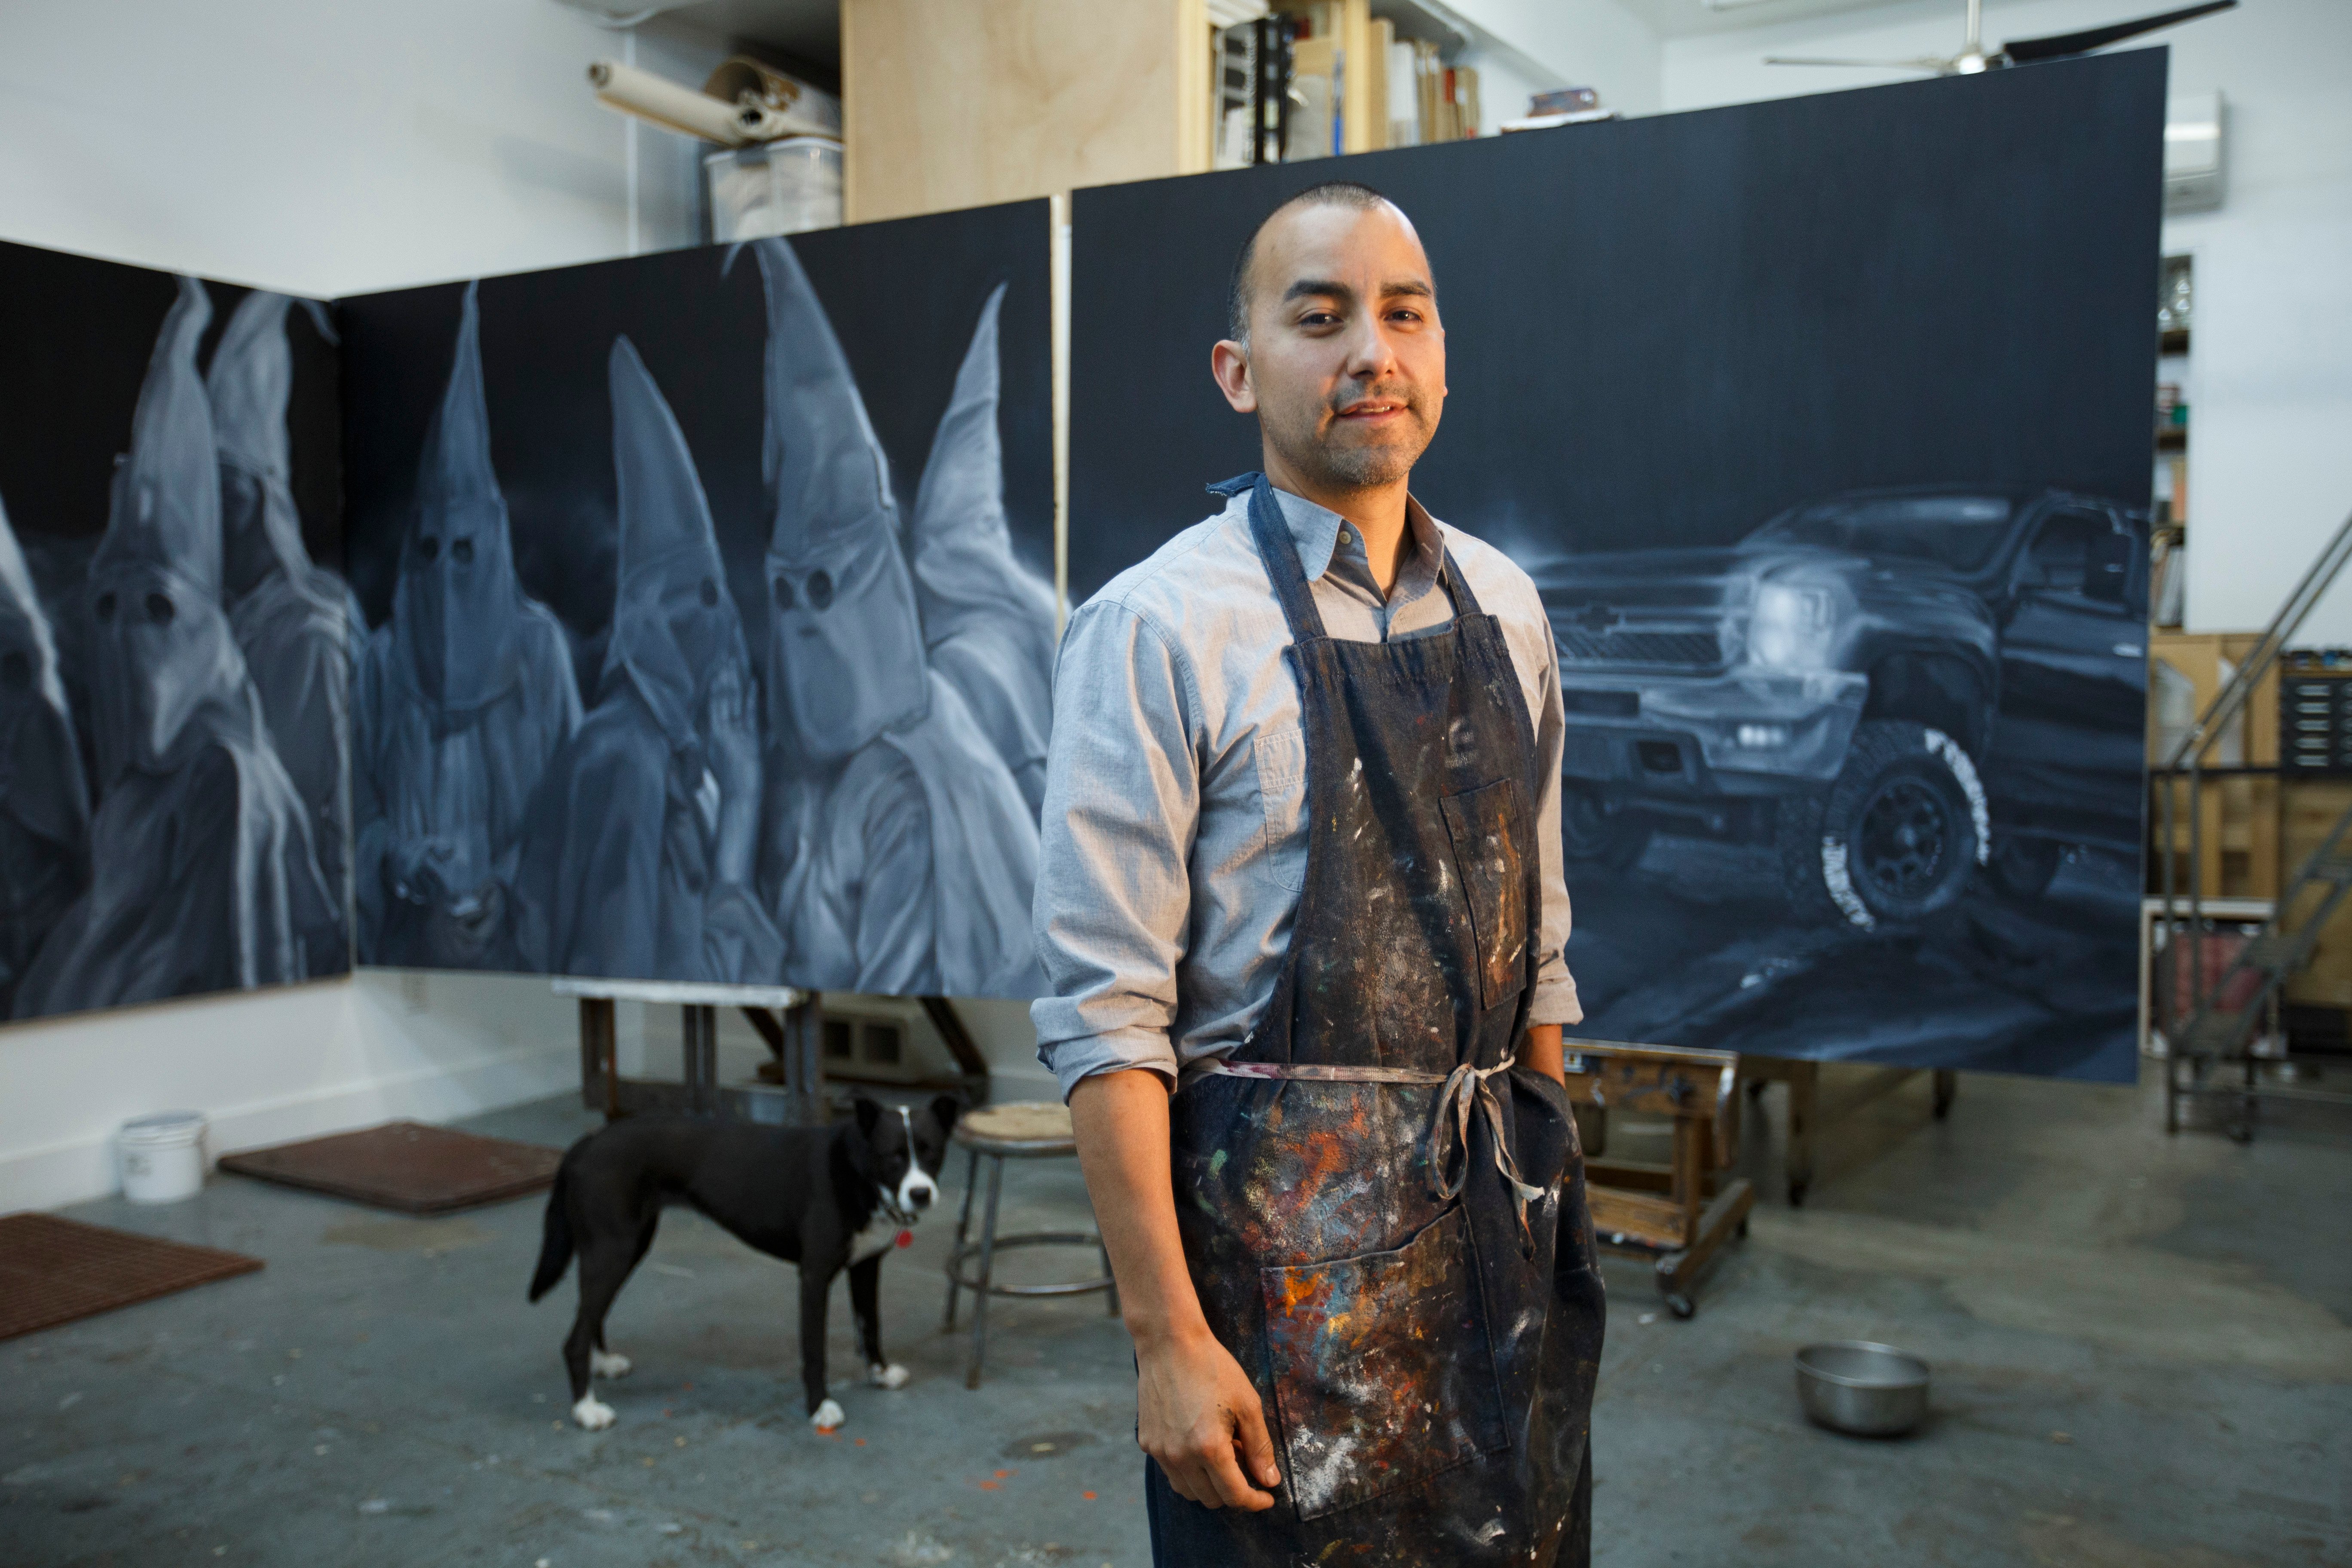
x,y
2024,51
1940,66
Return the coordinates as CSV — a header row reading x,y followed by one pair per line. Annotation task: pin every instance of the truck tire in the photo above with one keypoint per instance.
x,y
1897,836
1591,835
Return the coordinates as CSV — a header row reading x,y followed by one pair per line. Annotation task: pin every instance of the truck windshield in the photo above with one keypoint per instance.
x,y
1962,532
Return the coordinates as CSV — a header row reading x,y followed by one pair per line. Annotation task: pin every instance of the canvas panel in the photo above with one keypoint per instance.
x,y
1822,424
174,647
711,611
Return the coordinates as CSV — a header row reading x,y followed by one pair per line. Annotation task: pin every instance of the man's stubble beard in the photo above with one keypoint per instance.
x,y
1308,444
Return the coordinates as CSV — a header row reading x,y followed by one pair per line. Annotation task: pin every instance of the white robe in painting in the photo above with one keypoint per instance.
x,y
880,870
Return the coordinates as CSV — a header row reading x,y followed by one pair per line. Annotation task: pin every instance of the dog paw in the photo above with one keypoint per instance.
x,y
890,1376
826,1417
592,1413
604,1364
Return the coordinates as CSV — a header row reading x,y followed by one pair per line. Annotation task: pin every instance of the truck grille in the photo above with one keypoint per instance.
x,y
1695,649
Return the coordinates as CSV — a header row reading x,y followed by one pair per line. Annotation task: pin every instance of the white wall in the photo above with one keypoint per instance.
x,y
2268,377
324,149
1584,43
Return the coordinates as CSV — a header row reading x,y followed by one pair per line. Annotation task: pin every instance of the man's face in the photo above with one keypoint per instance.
x,y
1346,364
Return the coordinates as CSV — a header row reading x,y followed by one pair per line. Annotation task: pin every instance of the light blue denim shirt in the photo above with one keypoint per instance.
x,y
1174,846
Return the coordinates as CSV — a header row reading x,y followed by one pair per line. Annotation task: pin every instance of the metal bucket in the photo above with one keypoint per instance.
x,y
1869,1390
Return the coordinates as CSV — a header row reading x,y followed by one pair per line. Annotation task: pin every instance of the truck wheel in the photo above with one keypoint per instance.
x,y
1592,834
1897,836
2022,867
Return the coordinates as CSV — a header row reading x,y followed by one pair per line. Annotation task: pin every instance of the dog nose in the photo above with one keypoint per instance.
x,y
921,1197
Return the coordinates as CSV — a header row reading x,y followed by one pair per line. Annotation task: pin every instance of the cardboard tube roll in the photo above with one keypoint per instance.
x,y
667,104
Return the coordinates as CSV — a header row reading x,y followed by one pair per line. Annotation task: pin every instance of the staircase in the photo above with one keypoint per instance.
x,y
2210,1045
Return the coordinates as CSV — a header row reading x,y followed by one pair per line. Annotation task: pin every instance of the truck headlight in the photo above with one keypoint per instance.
x,y
1791,626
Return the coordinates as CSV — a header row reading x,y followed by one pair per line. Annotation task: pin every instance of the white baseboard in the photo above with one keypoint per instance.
x,y
85,1168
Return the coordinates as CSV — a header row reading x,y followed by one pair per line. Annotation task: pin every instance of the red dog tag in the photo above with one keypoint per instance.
x,y
905,1238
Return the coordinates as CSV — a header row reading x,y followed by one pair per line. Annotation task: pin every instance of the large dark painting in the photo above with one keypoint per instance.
x,y
1822,427
173,653
711,609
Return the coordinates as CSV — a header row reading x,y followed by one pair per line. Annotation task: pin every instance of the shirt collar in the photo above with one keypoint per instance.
x,y
1316,530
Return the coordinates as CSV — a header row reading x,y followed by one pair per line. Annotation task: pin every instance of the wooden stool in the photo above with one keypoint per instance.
x,y
1024,1129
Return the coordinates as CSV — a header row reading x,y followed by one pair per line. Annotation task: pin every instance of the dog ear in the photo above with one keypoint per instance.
x,y
869,1112
944,1111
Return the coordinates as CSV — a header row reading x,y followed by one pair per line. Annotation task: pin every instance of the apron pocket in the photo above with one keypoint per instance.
x,y
1484,824
1382,1373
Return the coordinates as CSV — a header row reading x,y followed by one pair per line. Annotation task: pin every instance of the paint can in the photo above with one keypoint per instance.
x,y
162,1156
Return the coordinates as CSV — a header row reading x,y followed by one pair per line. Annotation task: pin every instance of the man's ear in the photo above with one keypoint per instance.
x,y
944,1111
1229,365
869,1112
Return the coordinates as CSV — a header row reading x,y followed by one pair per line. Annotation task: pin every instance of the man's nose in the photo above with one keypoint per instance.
x,y
1370,354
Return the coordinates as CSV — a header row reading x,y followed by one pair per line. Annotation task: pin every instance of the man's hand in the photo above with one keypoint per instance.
x,y
1197,1414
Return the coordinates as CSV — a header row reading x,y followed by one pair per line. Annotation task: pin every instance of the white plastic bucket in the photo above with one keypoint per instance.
x,y
162,1156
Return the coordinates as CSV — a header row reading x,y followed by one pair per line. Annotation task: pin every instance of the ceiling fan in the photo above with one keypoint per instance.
x,y
1973,58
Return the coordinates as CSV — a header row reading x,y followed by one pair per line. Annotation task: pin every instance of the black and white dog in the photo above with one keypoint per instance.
x,y
826,1198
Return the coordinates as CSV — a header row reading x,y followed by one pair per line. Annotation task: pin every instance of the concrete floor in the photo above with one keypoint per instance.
x,y
2140,1350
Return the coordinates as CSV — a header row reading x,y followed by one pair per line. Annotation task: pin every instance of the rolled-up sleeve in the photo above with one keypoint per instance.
x,y
1122,803
1555,1000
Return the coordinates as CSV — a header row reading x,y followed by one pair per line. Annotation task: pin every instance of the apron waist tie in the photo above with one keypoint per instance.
x,y
1449,1131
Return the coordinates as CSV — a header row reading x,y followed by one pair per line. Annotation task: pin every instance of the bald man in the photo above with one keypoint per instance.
x,y
1300,909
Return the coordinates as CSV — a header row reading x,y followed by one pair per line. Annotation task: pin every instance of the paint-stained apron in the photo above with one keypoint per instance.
x,y
1384,1216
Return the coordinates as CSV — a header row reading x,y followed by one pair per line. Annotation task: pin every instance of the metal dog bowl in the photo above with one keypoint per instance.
x,y
1871,1390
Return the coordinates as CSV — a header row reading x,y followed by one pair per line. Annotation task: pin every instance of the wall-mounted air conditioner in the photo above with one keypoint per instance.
x,y
2192,153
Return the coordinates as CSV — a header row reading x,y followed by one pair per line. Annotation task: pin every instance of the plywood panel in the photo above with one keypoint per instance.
x,y
953,104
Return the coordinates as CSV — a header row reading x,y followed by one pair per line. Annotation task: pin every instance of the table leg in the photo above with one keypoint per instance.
x,y
1804,1095
600,1085
700,1050
1947,1086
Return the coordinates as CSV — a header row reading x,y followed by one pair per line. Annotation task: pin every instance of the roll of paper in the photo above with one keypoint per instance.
x,y
669,105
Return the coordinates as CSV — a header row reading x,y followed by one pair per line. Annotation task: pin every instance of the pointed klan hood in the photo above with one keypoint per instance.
x,y
40,767
165,673
162,516
988,619
845,649
454,472
673,622
962,547
250,382
457,611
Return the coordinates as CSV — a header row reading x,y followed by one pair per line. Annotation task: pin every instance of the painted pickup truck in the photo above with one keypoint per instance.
x,y
1897,688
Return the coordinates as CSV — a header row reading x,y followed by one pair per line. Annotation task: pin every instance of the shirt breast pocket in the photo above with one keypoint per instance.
x,y
1280,758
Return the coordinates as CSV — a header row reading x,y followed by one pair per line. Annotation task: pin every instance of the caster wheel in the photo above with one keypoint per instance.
x,y
1680,1305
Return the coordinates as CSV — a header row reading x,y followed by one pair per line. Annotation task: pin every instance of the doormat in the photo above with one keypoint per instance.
x,y
55,1270
406,1165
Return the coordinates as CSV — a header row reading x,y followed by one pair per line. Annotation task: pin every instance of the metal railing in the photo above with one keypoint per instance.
x,y
2214,1030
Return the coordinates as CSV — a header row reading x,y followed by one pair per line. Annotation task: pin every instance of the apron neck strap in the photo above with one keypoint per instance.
x,y
1279,551
1466,602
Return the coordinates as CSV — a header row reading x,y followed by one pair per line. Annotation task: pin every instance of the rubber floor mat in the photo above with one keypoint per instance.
x,y
406,1165
55,1270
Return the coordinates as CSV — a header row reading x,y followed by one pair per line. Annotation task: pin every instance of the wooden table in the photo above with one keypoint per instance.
x,y
1680,1213
797,1101
1803,1077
